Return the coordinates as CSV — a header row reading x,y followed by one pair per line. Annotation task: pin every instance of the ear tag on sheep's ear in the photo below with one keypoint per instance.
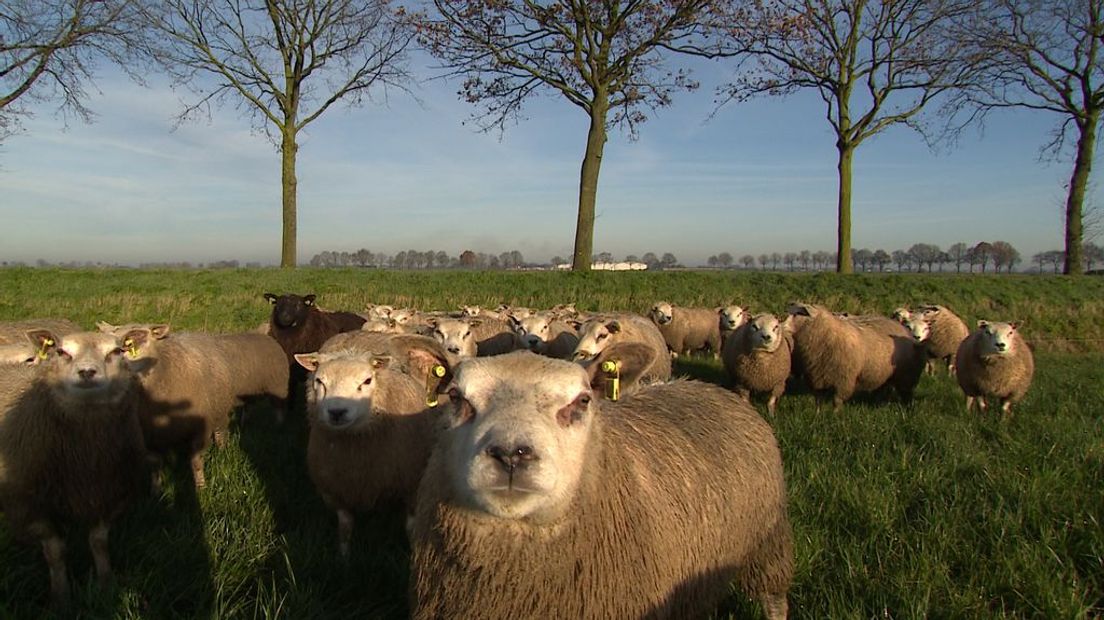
x,y
613,379
131,348
46,344
437,371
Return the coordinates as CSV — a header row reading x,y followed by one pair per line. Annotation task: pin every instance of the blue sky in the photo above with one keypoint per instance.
x,y
401,174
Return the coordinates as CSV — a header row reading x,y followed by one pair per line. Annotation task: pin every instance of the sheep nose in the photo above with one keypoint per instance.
x,y
532,342
86,374
454,349
1002,346
337,414
512,458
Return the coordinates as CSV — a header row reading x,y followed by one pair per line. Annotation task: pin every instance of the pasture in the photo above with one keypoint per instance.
x,y
899,511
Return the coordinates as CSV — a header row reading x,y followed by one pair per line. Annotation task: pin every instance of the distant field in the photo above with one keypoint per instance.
x,y
898,511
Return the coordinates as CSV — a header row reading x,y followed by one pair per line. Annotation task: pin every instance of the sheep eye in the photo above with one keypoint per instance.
x,y
63,354
367,381
467,334
601,336
584,400
114,352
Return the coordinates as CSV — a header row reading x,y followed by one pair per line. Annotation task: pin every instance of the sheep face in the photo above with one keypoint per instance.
x,y
456,337
594,337
470,310
997,338
343,386
86,367
918,326
901,314
402,316
533,332
662,313
765,332
519,428
732,317
289,310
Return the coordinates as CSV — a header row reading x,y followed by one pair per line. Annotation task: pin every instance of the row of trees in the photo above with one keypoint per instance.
x,y
874,63
416,259
1092,256
919,257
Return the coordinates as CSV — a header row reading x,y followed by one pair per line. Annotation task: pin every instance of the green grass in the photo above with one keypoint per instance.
x,y
898,511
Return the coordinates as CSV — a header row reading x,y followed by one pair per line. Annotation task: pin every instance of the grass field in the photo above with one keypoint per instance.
x,y
898,511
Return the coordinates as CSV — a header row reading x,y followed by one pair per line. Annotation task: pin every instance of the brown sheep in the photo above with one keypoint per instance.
x,y
994,362
300,327
687,329
371,425
541,500
842,356
71,448
599,332
757,357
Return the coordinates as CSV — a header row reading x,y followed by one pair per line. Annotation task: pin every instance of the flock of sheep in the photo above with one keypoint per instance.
x,y
505,435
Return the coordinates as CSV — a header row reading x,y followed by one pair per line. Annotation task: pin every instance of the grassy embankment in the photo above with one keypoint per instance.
x,y
898,511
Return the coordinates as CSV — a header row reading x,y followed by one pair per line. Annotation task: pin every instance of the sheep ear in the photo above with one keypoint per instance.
x,y
159,330
43,341
631,359
135,339
271,297
105,327
425,358
613,327
308,300
1015,325
982,324
380,361
799,309
308,360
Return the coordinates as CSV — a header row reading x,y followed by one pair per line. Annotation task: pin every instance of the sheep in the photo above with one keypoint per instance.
x,y
300,327
541,500
544,333
994,361
757,357
843,356
600,332
943,332
377,311
687,329
189,387
71,448
385,326
518,312
901,314
472,337
371,429
730,318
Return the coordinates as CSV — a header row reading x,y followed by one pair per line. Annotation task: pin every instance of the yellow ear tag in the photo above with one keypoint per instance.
x,y
613,379
131,348
438,371
47,343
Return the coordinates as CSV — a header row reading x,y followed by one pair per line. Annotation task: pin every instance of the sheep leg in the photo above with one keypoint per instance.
x,y
772,402
157,482
969,404
982,405
53,549
775,606
197,469
1006,407
220,438
344,532
97,542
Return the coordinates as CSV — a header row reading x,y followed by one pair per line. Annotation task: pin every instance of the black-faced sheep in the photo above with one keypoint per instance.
x,y
300,327
71,448
371,429
687,329
541,500
757,357
994,362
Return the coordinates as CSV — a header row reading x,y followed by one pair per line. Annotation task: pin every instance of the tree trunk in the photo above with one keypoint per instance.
x,y
289,187
843,246
1082,167
588,186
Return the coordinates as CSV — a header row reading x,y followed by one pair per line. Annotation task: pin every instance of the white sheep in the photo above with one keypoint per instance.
x,y
541,500
994,362
687,329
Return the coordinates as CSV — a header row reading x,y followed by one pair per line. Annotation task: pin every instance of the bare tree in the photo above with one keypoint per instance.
x,y
606,57
1045,55
957,253
748,261
49,50
285,62
875,63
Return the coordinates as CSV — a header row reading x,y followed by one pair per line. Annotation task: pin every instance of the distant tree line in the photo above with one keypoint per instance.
x,y
1092,257
1001,255
419,259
